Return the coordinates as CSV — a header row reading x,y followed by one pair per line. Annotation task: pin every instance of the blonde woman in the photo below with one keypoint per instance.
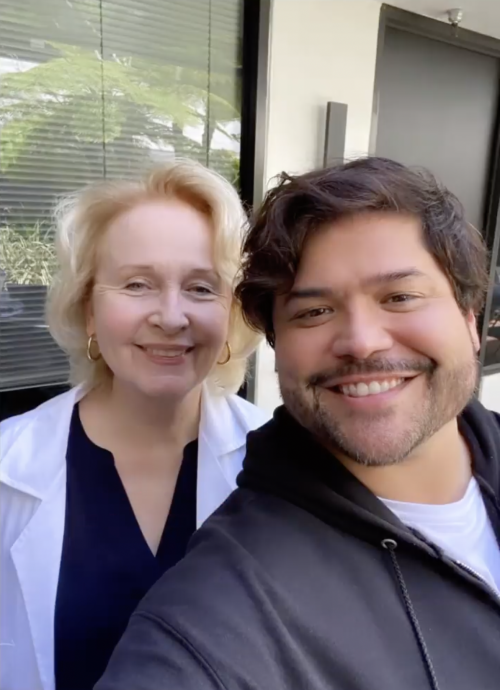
x,y
102,487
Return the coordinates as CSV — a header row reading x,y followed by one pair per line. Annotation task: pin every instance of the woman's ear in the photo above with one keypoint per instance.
x,y
89,318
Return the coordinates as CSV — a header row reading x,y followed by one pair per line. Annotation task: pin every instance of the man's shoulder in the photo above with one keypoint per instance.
x,y
224,604
252,538
495,417
214,598
245,578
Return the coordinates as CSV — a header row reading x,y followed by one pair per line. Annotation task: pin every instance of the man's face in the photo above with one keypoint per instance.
x,y
373,353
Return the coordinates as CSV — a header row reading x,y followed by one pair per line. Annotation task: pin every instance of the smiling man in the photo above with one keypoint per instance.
x,y
361,550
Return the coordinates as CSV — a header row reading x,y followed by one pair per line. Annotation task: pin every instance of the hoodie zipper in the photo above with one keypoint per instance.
x,y
391,545
491,591
460,565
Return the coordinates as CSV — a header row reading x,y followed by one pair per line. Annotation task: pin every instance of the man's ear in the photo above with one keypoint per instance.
x,y
472,324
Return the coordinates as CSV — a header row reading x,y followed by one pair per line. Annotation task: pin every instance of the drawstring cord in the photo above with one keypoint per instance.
x,y
390,545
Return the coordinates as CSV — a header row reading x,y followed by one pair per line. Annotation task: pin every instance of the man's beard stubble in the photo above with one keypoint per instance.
x,y
448,392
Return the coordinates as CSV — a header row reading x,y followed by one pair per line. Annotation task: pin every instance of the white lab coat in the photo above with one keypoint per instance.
x,y
32,513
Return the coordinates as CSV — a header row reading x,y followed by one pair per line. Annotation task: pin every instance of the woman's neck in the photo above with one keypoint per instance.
x,y
119,415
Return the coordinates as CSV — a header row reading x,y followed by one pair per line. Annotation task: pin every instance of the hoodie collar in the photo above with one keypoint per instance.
x,y
285,460
481,430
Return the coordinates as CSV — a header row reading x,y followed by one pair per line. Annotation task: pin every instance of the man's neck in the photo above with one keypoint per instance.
x,y
437,472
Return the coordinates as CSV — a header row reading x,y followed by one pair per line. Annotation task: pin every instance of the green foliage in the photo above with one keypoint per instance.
x,y
27,255
80,97
14,139
100,100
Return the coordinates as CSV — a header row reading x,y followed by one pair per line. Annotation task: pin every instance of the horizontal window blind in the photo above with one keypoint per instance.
x,y
93,89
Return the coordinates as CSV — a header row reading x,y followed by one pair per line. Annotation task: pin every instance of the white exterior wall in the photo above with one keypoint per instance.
x,y
490,392
320,51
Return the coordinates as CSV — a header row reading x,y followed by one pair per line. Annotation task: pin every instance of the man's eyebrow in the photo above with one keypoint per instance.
x,y
307,293
394,276
378,279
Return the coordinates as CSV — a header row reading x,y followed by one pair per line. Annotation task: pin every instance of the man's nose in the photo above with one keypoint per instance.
x,y
361,334
170,313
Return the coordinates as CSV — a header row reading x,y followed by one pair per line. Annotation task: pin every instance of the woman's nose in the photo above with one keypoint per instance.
x,y
170,314
361,336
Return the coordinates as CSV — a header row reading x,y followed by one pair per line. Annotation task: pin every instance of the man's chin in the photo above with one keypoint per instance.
x,y
371,443
372,456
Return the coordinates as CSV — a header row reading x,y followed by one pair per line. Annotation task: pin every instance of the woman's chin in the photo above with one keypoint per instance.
x,y
175,388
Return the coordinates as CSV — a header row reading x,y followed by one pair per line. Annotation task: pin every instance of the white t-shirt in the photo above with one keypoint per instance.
x,y
462,529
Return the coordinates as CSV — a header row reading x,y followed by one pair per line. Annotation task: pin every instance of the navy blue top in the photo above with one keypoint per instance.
x,y
107,566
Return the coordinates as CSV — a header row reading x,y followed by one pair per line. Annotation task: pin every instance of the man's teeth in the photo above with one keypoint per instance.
x,y
164,353
359,390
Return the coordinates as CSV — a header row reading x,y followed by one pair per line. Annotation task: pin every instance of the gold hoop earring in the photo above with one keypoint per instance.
x,y
228,356
90,356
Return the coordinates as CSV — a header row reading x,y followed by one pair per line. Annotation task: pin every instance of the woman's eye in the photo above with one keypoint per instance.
x,y
202,290
136,285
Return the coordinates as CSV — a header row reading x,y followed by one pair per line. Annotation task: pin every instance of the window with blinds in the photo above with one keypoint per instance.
x,y
91,89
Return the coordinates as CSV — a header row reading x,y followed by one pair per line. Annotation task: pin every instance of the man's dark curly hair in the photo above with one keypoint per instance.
x,y
300,205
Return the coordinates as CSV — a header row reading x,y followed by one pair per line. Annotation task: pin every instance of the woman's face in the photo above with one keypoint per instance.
x,y
159,310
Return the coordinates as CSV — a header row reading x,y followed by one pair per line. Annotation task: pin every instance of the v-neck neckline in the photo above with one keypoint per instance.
x,y
186,477
106,564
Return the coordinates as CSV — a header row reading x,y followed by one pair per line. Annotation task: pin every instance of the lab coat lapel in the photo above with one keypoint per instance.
x,y
39,586
36,464
221,435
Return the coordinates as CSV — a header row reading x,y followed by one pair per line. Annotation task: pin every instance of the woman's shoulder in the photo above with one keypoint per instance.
x,y
249,413
43,419
46,408
227,419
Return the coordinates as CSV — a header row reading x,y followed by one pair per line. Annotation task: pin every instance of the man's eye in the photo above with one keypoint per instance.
x,y
314,313
401,299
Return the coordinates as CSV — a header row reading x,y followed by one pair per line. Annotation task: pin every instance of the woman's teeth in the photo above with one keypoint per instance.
x,y
360,390
163,353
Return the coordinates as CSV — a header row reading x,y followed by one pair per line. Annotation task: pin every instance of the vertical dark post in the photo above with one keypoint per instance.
x,y
336,123
256,26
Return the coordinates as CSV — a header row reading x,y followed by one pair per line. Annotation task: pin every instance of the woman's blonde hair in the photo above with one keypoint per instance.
x,y
83,218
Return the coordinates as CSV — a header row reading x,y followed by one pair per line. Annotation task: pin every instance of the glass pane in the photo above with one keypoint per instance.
x,y
155,80
50,144
492,345
224,104
172,75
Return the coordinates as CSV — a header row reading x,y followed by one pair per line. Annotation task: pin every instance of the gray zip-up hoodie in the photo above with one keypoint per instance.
x,y
304,580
